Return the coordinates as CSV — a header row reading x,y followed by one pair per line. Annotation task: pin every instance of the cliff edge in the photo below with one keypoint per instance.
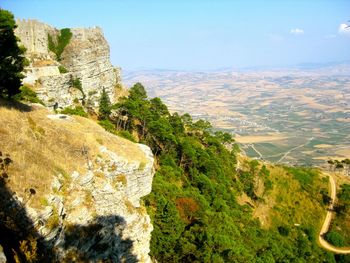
x,y
75,186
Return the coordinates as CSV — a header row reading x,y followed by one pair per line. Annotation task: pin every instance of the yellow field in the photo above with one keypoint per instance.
x,y
260,138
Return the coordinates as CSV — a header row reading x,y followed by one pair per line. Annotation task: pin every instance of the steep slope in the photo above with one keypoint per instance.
x,y
73,187
196,206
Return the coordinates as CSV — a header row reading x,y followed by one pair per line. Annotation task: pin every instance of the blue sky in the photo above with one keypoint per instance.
x,y
203,34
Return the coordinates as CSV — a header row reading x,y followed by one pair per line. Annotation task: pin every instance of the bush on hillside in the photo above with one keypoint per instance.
x,y
27,94
335,239
78,110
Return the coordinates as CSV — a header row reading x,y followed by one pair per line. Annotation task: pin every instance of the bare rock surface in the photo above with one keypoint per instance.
x,y
87,57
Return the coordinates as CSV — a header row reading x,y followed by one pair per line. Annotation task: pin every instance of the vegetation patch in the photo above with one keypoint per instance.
x,y
57,45
78,110
193,202
28,95
340,228
62,69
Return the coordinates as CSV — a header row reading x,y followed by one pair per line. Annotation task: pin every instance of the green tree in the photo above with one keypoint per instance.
x,y
138,92
335,238
12,60
105,105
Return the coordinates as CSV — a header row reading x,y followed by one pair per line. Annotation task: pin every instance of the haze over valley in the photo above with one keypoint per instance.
x,y
297,115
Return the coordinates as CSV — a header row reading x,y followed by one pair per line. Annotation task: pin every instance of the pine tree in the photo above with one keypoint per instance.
x,y
104,106
12,60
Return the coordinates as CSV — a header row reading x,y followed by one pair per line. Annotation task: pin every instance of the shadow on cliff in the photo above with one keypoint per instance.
x,y
18,236
99,241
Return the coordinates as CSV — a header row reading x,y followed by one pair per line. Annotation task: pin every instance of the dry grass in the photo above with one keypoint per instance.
x,y
41,147
44,63
260,138
344,152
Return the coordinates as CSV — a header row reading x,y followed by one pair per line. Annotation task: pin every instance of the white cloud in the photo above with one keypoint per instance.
x,y
296,31
344,29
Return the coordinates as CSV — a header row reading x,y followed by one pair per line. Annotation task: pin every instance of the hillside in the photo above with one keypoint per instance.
x,y
174,189
208,204
75,189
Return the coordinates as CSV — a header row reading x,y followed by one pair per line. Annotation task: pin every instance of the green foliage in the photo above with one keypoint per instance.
x,y
104,106
342,218
107,125
193,201
76,83
335,238
62,69
305,176
344,193
58,45
27,94
12,60
78,110
126,135
283,230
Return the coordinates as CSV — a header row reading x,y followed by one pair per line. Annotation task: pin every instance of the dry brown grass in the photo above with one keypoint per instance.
x,y
44,63
259,138
41,147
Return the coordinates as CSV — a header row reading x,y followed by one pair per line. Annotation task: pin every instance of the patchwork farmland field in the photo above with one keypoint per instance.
x,y
285,116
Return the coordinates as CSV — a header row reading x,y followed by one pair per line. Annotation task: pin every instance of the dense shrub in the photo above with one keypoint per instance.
x,y
335,238
58,45
27,94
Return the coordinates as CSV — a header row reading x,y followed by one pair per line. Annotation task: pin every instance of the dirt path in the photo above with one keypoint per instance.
x,y
328,220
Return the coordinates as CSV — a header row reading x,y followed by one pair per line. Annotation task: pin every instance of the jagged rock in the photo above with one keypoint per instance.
x,y
86,57
97,215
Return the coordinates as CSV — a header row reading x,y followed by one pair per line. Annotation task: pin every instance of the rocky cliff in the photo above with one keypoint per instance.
x,y
73,187
85,57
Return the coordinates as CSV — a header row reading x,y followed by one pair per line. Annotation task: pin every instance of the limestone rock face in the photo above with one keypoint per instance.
x,y
85,204
86,57
97,215
34,36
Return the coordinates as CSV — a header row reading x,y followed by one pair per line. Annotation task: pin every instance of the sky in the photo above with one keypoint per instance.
x,y
205,34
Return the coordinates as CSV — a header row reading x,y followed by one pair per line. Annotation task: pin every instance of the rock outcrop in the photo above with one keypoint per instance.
x,y
85,57
97,215
75,187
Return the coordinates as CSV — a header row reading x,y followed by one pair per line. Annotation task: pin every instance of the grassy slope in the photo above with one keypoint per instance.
x,y
41,147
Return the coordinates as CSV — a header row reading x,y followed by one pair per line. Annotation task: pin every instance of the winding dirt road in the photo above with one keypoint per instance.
x,y
328,220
